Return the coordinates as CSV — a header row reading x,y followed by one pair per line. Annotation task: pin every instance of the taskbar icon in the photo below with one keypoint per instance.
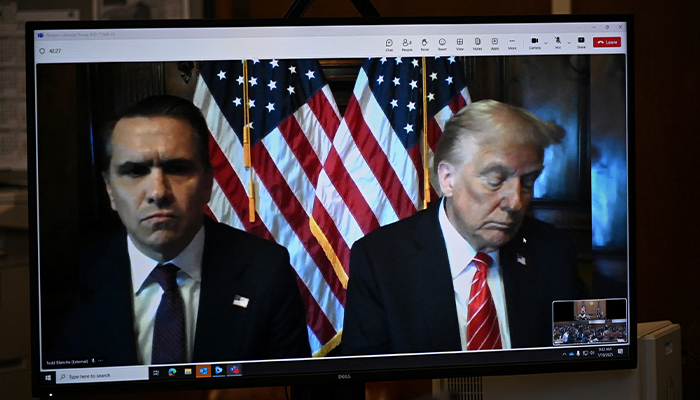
x,y
163,372
234,370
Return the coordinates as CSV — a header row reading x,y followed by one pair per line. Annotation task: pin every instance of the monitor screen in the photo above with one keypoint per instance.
x,y
243,203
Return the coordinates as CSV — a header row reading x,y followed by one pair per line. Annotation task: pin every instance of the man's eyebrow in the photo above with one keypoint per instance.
x,y
128,166
496,167
171,161
506,170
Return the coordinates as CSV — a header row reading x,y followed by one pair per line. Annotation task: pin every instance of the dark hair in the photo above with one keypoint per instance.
x,y
162,106
490,118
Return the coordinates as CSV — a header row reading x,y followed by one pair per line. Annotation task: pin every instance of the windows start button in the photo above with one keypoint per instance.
x,y
607,41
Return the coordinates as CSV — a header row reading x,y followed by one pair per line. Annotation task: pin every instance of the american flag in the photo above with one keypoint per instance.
x,y
318,182
374,173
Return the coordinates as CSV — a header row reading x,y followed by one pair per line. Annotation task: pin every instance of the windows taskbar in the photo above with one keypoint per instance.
x,y
219,370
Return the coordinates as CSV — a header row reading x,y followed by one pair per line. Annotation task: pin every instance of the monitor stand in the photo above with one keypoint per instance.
x,y
338,391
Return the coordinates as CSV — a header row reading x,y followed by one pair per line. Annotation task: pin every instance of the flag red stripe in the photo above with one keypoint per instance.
x,y
330,230
349,192
209,213
300,146
325,113
295,215
315,317
457,103
434,133
414,153
378,161
416,156
233,188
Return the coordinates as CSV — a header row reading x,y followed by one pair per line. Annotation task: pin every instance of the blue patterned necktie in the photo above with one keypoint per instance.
x,y
169,338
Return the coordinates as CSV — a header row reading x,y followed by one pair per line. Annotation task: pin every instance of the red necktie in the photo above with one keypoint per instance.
x,y
482,326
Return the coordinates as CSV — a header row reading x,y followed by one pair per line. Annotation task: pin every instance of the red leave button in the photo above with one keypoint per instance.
x,y
607,41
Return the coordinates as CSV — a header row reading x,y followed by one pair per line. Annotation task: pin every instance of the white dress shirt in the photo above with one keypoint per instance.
x,y
147,293
460,254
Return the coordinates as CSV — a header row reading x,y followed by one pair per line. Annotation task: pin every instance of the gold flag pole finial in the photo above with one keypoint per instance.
x,y
247,160
246,118
426,169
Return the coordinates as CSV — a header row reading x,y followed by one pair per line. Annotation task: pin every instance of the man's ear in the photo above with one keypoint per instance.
x,y
446,177
105,176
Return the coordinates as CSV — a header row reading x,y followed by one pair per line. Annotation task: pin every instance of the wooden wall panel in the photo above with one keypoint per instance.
x,y
667,141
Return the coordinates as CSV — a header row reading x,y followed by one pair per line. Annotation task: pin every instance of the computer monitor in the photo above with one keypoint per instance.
x,y
318,132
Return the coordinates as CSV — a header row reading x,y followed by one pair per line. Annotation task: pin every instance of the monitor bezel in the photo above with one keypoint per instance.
x,y
342,370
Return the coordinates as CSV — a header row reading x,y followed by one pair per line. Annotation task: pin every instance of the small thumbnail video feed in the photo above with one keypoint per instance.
x,y
589,322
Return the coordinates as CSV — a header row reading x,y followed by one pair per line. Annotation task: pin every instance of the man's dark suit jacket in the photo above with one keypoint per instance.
x,y
400,296
273,325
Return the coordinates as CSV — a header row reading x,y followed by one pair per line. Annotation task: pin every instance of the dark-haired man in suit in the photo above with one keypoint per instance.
x,y
176,286
471,272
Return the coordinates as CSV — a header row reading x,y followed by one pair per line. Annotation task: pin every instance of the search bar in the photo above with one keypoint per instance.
x,y
92,375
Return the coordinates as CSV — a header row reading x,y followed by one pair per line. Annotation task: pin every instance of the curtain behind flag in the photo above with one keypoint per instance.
x,y
291,115
373,174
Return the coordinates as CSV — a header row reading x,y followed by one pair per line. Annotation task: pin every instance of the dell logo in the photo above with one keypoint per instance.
x,y
344,376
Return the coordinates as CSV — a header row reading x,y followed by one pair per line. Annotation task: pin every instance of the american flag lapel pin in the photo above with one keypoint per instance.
x,y
241,301
520,258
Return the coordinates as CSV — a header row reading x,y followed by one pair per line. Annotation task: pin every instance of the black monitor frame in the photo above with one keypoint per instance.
x,y
331,371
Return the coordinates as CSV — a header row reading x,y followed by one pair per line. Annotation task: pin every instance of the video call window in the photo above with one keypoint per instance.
x,y
591,322
553,87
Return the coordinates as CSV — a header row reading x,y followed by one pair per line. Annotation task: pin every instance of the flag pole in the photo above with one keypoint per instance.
x,y
247,162
426,170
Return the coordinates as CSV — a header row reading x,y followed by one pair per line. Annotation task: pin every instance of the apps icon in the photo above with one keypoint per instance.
x,y
188,371
172,372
